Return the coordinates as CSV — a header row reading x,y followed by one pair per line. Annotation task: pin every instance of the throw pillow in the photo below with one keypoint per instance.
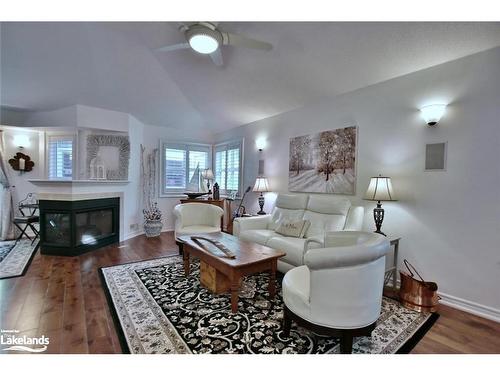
x,y
297,228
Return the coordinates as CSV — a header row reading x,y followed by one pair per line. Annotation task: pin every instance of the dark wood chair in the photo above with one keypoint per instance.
x,y
346,335
26,221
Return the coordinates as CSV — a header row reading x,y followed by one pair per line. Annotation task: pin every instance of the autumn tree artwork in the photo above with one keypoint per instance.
x,y
324,162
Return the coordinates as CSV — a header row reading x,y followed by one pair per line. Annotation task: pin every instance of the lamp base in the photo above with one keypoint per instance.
x,y
378,216
261,204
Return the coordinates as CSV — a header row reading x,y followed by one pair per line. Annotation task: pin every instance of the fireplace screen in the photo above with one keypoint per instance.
x,y
58,229
75,227
91,226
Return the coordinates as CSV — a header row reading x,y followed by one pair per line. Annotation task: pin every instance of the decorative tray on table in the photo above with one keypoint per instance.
x,y
194,195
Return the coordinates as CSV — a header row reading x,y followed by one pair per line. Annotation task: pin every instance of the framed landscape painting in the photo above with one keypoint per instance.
x,y
324,162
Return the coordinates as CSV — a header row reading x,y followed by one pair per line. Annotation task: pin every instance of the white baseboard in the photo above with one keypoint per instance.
x,y
470,307
130,235
467,306
139,232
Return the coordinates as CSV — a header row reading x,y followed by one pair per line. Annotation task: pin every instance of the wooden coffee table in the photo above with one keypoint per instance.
x,y
220,273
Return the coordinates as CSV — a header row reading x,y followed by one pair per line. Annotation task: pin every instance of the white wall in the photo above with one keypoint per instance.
x,y
19,182
449,221
63,117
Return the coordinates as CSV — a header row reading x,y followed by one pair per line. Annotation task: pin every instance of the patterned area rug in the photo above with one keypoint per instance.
x,y
15,257
158,310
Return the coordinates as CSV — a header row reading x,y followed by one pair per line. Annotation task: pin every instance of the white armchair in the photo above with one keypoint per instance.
x,y
338,292
196,218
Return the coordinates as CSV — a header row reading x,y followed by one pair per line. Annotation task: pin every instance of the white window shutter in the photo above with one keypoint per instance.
x,y
60,157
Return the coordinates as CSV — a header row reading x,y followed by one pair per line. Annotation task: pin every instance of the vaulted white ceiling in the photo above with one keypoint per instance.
x,y
47,66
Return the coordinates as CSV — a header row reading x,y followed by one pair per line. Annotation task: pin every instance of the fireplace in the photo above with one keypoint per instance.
x,y
75,227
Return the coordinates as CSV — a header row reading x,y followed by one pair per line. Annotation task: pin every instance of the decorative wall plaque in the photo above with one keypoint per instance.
x,y
98,142
21,162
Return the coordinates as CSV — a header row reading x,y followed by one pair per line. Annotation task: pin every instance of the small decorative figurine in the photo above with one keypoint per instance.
x,y
216,194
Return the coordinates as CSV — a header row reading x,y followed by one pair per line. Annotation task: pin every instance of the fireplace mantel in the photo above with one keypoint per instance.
x,y
41,182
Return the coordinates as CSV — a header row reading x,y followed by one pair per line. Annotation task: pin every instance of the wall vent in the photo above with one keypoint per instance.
x,y
435,156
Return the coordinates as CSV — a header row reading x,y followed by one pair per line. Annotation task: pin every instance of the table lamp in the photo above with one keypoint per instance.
x,y
261,186
380,189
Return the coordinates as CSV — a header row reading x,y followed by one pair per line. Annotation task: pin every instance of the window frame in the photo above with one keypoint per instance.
x,y
240,142
163,192
74,144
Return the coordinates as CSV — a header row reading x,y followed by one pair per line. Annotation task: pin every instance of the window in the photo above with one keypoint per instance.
x,y
60,157
181,166
228,166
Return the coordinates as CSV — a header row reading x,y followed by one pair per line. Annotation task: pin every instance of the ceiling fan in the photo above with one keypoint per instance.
x,y
206,38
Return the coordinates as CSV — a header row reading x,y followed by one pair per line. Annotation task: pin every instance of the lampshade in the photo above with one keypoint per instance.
x,y
380,189
261,184
207,174
433,113
21,140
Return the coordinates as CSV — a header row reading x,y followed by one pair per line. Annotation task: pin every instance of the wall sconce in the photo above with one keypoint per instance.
x,y
261,143
21,141
433,113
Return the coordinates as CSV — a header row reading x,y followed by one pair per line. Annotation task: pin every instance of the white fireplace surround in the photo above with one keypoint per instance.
x,y
51,190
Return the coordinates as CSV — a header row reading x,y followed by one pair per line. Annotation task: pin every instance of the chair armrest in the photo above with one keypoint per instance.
x,y
315,239
217,214
346,256
178,216
246,223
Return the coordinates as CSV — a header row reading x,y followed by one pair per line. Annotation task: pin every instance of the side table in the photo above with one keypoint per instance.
x,y
392,272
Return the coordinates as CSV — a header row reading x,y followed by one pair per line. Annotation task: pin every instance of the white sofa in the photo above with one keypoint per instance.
x,y
326,213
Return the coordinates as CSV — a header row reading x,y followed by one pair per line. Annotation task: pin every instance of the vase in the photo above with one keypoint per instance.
x,y
152,228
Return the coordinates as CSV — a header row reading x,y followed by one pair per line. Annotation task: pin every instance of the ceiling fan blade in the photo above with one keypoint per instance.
x,y
217,57
173,47
243,41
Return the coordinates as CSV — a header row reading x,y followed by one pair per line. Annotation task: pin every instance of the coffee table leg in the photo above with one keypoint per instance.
x,y
185,258
234,295
272,279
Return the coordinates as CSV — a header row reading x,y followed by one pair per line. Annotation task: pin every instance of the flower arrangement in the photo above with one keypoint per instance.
x,y
153,213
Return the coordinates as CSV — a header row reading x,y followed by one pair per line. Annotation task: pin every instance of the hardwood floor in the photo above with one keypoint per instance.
x,y
62,298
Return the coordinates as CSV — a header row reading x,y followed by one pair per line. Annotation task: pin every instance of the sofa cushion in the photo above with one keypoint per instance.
x,y
287,207
296,228
196,229
260,236
279,215
292,201
321,223
293,247
326,204
326,214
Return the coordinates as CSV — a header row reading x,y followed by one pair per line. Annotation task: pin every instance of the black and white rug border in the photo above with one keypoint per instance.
x,y
28,261
117,321
401,348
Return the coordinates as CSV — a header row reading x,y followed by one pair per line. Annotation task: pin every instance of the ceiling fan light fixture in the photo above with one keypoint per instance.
x,y
202,43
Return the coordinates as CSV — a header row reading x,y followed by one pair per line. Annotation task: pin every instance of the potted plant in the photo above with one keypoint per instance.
x,y
151,212
152,221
